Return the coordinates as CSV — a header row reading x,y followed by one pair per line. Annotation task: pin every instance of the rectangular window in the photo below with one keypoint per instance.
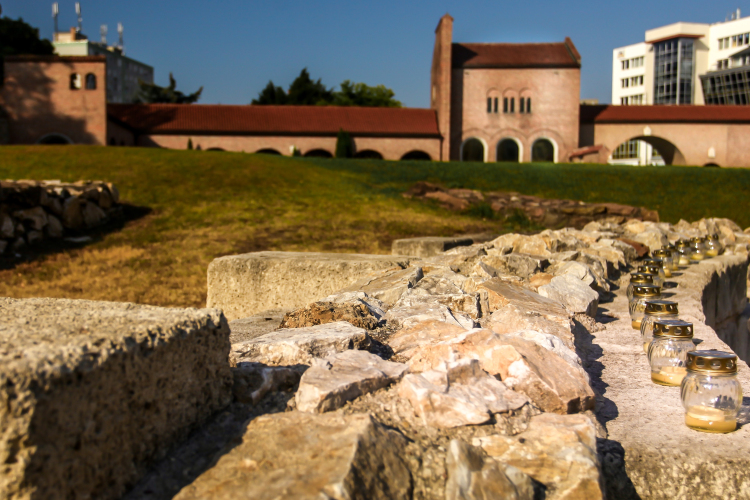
x,y
528,105
521,103
505,104
624,101
512,104
734,41
495,104
625,64
624,83
489,105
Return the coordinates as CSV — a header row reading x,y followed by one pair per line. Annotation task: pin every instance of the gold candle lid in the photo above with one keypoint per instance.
x,y
682,244
712,362
713,237
696,239
661,254
668,246
673,328
649,269
660,307
653,262
646,291
642,278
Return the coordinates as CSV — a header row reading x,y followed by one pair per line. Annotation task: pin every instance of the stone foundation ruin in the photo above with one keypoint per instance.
x,y
499,369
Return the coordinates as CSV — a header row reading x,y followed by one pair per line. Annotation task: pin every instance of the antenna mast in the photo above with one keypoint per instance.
x,y
103,32
119,32
55,12
80,19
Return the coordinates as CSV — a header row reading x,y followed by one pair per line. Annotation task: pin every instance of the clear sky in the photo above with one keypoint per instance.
x,y
232,47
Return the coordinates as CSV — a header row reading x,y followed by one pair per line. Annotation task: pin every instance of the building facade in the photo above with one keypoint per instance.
x,y
123,73
505,102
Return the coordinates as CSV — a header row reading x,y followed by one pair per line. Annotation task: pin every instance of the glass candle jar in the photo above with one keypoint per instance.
x,y
683,248
638,279
655,309
657,271
697,250
674,254
637,305
711,393
667,353
713,245
665,258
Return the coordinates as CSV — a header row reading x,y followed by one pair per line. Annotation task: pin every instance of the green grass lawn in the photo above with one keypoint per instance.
x,y
206,204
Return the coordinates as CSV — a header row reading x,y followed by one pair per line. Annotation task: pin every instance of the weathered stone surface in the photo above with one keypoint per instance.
x,y
575,295
427,246
471,476
355,312
406,341
7,229
523,265
559,451
252,381
329,383
299,346
554,344
242,285
35,218
539,279
577,269
92,392
457,394
388,285
307,456
254,326
424,308
54,228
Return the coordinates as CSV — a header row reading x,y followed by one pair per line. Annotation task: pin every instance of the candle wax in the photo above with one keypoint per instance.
x,y
669,375
702,418
667,272
645,346
697,256
636,323
712,253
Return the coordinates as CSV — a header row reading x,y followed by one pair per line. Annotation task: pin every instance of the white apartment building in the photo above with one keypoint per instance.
x,y
681,63
123,72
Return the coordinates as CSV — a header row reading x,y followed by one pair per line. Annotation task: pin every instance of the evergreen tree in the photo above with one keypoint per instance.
x,y
271,95
17,37
304,91
150,93
190,143
344,145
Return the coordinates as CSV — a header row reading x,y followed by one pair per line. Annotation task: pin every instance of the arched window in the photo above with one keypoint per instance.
x,y
91,81
368,154
492,101
268,151
55,138
543,151
318,153
472,150
508,150
75,81
417,155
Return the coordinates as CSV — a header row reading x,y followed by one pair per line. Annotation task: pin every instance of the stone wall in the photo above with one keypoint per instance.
x,y
34,211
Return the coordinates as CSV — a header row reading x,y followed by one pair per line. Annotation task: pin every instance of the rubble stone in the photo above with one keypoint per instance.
x,y
388,285
252,381
575,295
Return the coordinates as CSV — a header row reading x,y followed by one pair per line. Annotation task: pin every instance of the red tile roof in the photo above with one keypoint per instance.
x,y
274,120
516,55
665,114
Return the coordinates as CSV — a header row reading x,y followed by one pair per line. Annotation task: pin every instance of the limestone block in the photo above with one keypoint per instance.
x,y
539,279
419,309
252,381
559,451
242,285
387,285
329,383
523,265
309,456
406,341
457,394
577,269
92,392
472,476
299,346
427,246
652,238
575,295
553,344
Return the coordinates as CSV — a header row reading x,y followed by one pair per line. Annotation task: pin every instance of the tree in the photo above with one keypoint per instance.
x,y
150,93
17,37
344,145
361,94
305,91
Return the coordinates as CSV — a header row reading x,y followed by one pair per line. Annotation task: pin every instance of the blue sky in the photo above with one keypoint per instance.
x,y
232,48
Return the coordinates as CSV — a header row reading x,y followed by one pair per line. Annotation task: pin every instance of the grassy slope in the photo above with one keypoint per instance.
x,y
208,204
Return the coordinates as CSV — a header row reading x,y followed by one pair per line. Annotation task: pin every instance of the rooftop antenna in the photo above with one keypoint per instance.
x,y
55,12
80,19
119,32
737,16
103,32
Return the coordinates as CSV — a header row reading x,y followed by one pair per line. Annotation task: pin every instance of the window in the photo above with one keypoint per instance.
x,y
495,104
489,104
624,101
512,104
528,105
75,81
673,79
505,104
625,83
627,150
521,103
626,64
91,81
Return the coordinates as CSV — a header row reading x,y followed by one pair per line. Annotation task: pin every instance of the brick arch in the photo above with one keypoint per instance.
x,y
561,147
666,148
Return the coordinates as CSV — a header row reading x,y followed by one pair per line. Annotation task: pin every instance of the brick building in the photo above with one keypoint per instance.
x,y
505,102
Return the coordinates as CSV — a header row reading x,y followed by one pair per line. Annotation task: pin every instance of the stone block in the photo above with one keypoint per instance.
x,y
242,285
91,393
308,456
575,295
428,246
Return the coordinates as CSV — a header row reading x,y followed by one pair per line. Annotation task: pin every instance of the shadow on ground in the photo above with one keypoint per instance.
x,y
74,239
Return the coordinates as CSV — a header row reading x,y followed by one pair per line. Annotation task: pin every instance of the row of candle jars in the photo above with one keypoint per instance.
x,y
697,249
